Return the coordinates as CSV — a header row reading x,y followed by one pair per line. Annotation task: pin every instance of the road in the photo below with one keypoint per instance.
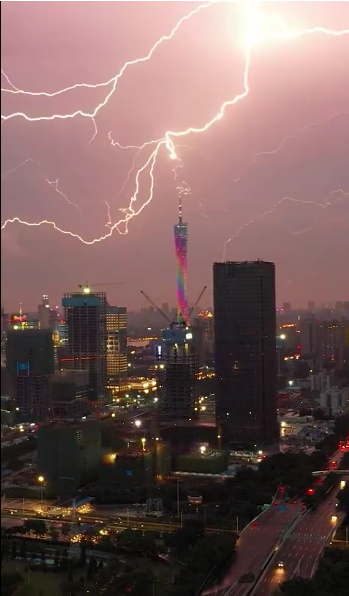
x,y
301,551
253,548
139,523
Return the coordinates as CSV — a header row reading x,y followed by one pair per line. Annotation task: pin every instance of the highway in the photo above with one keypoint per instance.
x,y
253,548
299,554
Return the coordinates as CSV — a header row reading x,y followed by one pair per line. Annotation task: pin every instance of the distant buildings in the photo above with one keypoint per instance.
x,y
245,351
325,341
30,364
86,324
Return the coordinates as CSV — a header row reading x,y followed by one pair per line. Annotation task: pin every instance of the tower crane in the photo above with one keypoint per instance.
x,y
197,302
86,288
161,312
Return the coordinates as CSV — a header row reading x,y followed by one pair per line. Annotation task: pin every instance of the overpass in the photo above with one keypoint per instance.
x,y
326,472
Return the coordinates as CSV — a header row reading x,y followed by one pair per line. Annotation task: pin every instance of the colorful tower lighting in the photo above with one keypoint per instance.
x,y
181,246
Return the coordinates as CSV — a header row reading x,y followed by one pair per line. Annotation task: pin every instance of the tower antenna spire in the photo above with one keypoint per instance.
x,y
180,213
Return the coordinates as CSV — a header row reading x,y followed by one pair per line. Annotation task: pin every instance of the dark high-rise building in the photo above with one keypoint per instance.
x,y
30,364
86,324
245,351
176,366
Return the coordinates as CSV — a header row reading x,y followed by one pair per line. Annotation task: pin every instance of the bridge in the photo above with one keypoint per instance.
x,y
326,472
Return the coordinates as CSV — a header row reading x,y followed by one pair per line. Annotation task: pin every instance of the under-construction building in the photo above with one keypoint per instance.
x,y
176,366
86,321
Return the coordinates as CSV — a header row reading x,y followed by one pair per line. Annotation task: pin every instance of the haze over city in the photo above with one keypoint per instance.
x,y
298,88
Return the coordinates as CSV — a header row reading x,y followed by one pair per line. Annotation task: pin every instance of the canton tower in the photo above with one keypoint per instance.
x,y
181,246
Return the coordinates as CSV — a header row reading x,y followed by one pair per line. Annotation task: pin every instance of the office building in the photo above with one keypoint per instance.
x,y
309,336
30,364
176,368
44,312
116,349
86,324
245,352
204,319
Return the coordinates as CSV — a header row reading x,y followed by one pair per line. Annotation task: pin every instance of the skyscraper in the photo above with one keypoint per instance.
x,y
245,351
181,247
86,321
116,349
30,364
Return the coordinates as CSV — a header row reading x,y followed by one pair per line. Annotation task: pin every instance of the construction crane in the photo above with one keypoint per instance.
x,y
197,302
86,288
161,312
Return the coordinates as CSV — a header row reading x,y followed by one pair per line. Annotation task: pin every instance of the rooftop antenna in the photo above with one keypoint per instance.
x,y
180,213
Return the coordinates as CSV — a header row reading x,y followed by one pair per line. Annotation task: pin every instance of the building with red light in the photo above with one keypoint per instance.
x,y
86,323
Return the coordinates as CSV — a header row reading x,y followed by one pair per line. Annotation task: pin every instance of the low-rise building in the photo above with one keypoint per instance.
x,y
336,400
69,454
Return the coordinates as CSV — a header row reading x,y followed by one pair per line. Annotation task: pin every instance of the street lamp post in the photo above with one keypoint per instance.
x,y
41,479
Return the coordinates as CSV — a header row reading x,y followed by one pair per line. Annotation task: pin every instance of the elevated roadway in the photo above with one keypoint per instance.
x,y
300,552
253,548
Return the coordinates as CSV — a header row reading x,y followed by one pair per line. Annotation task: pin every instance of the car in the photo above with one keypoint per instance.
x,y
255,523
294,502
281,564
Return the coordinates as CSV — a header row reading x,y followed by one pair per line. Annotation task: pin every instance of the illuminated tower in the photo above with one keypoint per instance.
x,y
181,245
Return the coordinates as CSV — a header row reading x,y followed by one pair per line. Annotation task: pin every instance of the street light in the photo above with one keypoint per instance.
x,y
41,479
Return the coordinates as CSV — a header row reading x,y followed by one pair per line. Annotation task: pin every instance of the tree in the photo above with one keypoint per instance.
x,y
38,526
65,529
82,560
23,550
53,532
57,559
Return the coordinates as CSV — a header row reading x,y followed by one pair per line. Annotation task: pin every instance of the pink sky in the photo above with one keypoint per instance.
x,y
50,45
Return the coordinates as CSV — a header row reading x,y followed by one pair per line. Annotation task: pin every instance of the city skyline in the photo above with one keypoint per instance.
x,y
309,104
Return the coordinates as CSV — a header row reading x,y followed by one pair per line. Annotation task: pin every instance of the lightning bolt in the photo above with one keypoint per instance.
x,y
284,141
109,223
254,35
111,83
53,184
325,204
